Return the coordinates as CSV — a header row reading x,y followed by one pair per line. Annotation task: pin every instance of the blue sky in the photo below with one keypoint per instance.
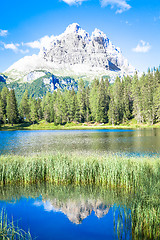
x,y
133,25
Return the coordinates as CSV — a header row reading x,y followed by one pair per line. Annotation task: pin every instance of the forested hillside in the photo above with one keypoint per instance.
x,y
126,99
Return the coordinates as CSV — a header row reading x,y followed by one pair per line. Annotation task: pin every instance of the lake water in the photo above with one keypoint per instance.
x,y
79,213
66,213
130,142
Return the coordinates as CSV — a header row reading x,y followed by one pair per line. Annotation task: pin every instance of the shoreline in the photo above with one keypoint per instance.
x,y
74,126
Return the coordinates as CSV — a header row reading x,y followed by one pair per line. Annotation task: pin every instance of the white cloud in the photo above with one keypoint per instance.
x,y
42,42
73,2
11,46
3,33
14,47
34,44
142,47
121,5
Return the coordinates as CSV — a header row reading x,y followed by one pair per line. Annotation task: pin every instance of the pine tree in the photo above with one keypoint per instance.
x,y
60,108
127,99
147,89
33,110
48,109
4,96
116,106
11,109
24,108
39,109
93,99
102,102
112,110
1,110
137,99
88,110
71,105
81,97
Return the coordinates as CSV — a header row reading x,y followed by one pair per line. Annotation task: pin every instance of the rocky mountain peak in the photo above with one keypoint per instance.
x,y
76,53
74,27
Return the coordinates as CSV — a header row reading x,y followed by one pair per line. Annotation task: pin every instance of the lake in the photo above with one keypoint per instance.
x,y
130,142
88,213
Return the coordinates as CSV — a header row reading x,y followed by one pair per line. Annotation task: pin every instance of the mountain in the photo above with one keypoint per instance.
x,y
74,53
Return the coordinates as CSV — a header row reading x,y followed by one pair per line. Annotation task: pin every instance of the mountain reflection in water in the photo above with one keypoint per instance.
x,y
76,211
119,215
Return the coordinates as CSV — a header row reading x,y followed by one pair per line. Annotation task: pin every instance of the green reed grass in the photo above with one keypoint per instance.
x,y
112,171
10,231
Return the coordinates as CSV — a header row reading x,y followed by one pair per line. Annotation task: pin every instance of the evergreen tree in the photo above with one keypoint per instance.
x,y
71,105
88,110
33,110
39,109
24,108
127,99
93,99
1,110
102,102
112,109
148,87
4,96
116,106
156,102
137,99
81,97
60,108
48,108
11,109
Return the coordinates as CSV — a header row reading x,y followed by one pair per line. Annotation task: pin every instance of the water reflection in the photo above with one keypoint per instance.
x,y
127,215
76,211
134,142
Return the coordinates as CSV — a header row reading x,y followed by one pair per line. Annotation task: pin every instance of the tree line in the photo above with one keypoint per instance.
x,y
126,99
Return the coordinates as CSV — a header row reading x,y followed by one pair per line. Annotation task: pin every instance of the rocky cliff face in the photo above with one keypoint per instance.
x,y
76,47
76,54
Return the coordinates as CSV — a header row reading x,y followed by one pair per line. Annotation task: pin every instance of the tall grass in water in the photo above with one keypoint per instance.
x,y
112,171
9,231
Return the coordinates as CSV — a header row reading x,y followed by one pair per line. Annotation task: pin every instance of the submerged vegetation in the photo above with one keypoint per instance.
x,y
10,230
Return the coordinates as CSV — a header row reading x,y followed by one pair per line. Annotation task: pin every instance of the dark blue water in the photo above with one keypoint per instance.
x,y
46,219
49,223
130,142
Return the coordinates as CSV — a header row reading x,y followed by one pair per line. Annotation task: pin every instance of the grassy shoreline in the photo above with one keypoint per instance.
x,y
42,125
